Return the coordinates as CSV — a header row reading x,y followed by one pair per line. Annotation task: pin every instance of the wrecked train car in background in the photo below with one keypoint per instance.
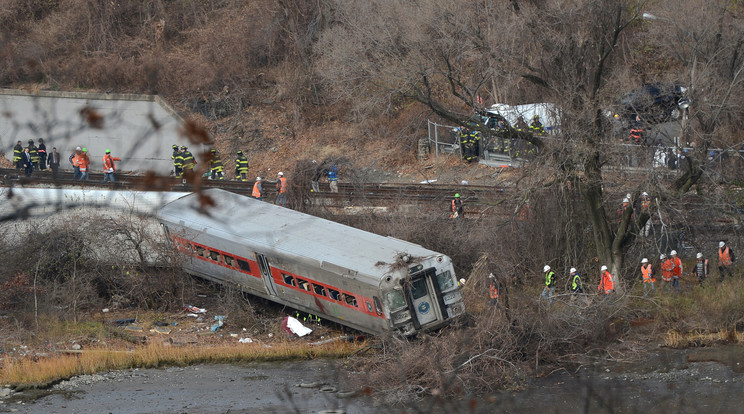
x,y
369,282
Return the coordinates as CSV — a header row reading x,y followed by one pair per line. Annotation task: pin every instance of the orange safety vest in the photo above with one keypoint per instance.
x,y
77,160
667,266
724,256
648,273
606,284
256,190
282,185
677,271
85,162
108,162
493,292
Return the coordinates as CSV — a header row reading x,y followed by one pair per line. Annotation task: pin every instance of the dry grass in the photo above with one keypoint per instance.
x,y
27,372
676,339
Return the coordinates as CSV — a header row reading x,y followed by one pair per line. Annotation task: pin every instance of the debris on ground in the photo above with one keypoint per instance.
x,y
161,330
245,340
220,321
295,327
194,309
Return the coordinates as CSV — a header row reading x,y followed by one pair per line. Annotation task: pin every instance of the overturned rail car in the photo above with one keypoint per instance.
x,y
369,282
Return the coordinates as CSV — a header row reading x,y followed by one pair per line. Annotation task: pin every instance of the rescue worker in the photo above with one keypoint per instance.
x,y
257,189
606,282
457,210
315,179
76,160
18,155
84,164
647,277
549,288
645,206
332,174
636,132
576,286
109,167
667,266
475,145
42,154
726,260
215,165
177,160
493,292
701,268
187,163
34,153
281,189
676,271
464,136
241,167
536,127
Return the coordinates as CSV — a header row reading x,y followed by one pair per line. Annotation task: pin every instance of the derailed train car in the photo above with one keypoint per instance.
x,y
369,282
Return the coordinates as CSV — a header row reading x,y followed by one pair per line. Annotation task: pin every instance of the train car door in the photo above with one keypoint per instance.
x,y
423,300
263,265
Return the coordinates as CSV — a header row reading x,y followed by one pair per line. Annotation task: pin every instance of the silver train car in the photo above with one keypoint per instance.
x,y
369,282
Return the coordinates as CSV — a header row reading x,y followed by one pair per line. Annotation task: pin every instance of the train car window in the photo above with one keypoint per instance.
x,y
445,281
378,305
350,300
201,251
214,256
396,300
334,294
319,290
418,289
229,260
303,284
288,280
415,269
244,266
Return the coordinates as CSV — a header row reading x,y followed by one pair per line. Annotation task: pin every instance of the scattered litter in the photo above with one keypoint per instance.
x,y
464,182
329,340
205,333
428,181
245,340
233,335
194,309
201,295
328,388
121,322
294,326
133,328
310,384
105,310
220,321
193,315
161,330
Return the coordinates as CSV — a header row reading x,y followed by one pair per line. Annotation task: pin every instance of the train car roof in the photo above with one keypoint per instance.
x,y
338,248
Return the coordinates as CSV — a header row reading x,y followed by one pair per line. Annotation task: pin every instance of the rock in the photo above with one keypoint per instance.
x,y
5,392
77,347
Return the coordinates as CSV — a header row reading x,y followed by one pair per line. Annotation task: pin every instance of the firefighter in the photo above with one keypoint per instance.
x,y
726,260
34,153
177,160
536,127
606,282
676,271
281,189
701,268
18,155
647,277
257,189
215,165
241,167
457,210
549,288
464,135
187,163
493,292
667,266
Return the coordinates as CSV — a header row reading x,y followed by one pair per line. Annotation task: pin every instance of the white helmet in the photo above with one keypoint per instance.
x,y
78,149
626,200
603,268
280,173
491,276
699,255
258,178
644,260
662,257
573,270
462,281
546,268
673,253
644,194
721,244
627,195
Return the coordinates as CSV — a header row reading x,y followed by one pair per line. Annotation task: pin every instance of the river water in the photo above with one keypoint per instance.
x,y
708,380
